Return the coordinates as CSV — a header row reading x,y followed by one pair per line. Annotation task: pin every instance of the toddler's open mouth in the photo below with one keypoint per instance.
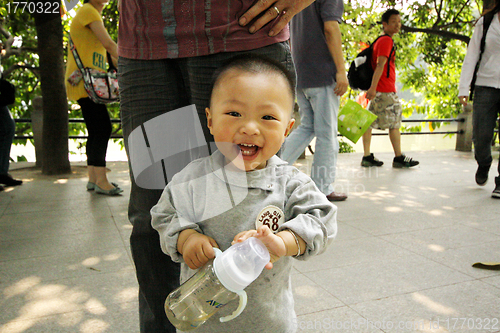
x,y
248,149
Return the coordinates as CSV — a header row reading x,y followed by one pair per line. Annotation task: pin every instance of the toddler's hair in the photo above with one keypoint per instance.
x,y
387,15
255,64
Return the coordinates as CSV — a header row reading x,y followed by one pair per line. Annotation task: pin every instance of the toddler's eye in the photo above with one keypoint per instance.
x,y
268,118
233,114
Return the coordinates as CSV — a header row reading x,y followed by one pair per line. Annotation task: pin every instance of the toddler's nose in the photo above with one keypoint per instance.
x,y
250,128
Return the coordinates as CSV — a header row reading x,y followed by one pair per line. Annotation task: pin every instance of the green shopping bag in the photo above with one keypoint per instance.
x,y
354,120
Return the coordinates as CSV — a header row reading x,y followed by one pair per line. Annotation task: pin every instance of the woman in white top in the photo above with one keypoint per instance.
x,y
486,106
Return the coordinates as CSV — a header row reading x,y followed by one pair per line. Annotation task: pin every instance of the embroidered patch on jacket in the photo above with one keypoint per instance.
x,y
271,216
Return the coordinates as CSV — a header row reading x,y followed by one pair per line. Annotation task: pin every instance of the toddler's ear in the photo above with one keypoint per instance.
x,y
209,119
289,126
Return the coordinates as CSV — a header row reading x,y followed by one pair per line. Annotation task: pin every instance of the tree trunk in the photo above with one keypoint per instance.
x,y
55,106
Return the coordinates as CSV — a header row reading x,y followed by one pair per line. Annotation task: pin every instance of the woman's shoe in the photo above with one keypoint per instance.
x,y
91,186
113,191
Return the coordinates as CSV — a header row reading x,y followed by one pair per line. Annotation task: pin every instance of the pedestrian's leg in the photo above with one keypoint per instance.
x,y
149,89
299,139
325,105
483,124
7,132
367,141
98,124
395,137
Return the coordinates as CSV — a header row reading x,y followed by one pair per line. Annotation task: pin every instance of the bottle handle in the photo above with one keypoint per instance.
x,y
241,293
239,310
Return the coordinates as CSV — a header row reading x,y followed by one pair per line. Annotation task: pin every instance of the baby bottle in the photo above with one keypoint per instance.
x,y
217,283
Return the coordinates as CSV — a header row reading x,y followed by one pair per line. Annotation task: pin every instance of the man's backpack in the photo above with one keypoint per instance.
x,y
488,18
360,72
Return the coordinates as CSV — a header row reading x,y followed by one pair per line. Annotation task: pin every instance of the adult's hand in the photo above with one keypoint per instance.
x,y
271,9
463,100
371,93
342,84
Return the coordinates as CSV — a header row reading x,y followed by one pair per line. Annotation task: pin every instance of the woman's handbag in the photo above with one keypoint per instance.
x,y
102,87
354,120
7,93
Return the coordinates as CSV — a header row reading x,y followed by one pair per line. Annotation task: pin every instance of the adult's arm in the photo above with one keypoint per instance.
x,y
102,35
469,63
287,9
333,38
377,74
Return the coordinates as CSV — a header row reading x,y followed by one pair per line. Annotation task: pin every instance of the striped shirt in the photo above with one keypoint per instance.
x,y
159,29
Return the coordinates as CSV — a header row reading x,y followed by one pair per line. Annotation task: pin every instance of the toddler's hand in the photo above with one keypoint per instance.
x,y
198,250
275,244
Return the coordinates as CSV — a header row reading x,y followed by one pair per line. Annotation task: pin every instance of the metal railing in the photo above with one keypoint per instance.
x,y
444,120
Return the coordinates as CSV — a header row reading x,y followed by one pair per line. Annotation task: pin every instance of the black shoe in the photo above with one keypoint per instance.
x,y
403,162
482,175
370,160
7,180
1,188
496,191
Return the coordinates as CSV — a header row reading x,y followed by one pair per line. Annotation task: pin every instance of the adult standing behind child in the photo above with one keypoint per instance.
x,y
384,101
92,41
486,106
321,80
216,200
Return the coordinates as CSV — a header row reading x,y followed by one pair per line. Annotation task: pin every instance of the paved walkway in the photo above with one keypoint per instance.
x,y
401,262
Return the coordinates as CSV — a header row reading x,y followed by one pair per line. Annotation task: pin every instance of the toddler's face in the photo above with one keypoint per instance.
x,y
250,115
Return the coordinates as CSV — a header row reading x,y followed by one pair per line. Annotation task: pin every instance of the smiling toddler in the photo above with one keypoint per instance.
x,y
244,190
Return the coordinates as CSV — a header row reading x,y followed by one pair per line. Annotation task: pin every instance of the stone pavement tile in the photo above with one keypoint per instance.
x,y
52,225
65,265
461,259
32,298
122,317
475,301
489,224
441,239
352,252
310,297
46,246
380,279
348,232
340,319
395,219
494,280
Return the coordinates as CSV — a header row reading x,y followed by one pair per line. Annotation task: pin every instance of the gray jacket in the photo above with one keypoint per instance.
x,y
220,202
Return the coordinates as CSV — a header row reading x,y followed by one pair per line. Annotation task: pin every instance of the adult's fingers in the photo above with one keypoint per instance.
x,y
284,10
340,89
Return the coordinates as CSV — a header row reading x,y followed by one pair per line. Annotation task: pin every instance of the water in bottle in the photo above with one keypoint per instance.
x,y
217,283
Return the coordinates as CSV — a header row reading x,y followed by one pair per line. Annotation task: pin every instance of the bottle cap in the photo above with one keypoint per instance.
x,y
241,264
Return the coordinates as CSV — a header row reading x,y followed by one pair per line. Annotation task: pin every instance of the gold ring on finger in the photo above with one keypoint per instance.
x,y
277,10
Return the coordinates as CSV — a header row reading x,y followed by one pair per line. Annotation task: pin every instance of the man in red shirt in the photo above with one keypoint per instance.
x,y
384,102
